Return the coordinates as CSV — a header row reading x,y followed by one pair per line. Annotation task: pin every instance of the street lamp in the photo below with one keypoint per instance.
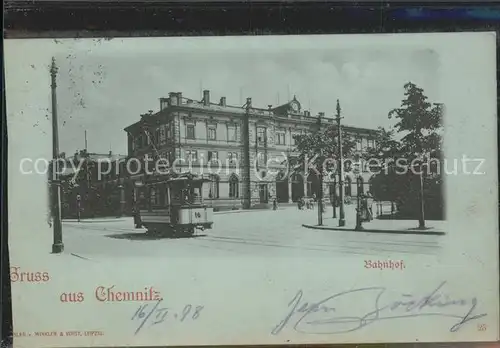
x,y
421,217
341,169
122,199
359,225
78,206
57,246
333,197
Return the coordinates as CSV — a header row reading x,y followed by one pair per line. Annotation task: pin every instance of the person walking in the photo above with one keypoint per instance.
x,y
275,204
369,205
137,216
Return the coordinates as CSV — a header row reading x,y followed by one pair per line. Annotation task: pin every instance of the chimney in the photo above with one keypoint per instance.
x,y
222,101
179,98
163,103
206,97
321,114
173,98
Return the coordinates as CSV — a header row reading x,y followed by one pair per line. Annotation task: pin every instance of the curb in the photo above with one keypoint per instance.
x,y
416,232
244,211
90,221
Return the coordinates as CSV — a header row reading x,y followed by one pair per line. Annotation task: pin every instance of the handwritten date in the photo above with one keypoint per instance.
x,y
153,314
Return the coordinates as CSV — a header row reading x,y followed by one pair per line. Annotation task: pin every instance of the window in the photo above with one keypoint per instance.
x,y
212,134
232,157
232,134
191,155
281,138
190,131
294,139
358,144
157,136
261,135
261,158
162,134
364,143
133,143
234,187
213,155
153,197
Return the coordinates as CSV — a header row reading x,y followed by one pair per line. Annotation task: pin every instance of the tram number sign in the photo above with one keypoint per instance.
x,y
197,215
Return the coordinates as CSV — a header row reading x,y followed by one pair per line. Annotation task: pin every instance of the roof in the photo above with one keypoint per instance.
x,y
72,168
280,111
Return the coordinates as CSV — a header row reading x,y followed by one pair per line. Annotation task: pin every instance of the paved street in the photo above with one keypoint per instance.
x,y
256,233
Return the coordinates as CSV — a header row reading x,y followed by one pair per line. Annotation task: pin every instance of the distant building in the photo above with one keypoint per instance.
x,y
98,180
206,138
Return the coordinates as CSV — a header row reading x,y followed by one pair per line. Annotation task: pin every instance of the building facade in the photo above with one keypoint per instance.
x,y
206,138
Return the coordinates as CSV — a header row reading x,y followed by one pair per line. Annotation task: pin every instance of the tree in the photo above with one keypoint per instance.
x,y
317,154
420,123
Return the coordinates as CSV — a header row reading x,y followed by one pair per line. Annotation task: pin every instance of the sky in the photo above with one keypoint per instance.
x,y
104,88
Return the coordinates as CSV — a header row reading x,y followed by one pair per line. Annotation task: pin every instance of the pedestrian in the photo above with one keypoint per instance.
x,y
369,204
299,204
275,204
137,216
365,213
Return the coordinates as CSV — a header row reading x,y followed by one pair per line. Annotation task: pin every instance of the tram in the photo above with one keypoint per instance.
x,y
172,205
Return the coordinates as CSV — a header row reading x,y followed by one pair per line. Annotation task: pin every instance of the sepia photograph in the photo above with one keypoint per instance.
x,y
253,190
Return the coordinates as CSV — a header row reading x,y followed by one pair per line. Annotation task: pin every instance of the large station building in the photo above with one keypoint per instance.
x,y
206,138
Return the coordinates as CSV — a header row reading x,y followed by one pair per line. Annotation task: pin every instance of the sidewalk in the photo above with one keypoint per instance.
x,y
383,226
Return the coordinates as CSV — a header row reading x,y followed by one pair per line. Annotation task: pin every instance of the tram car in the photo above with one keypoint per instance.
x,y
172,205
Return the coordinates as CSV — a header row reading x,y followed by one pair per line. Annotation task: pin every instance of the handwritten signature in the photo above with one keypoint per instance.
x,y
154,314
324,317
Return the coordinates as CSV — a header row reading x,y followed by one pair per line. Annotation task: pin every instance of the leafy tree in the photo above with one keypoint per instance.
x,y
419,123
317,153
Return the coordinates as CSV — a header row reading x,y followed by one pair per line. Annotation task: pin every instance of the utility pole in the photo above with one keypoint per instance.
x,y
247,193
421,217
57,246
341,168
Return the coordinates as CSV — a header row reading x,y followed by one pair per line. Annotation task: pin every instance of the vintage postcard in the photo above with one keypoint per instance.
x,y
253,190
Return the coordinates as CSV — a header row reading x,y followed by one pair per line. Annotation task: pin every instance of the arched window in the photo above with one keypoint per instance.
x,y
234,186
214,186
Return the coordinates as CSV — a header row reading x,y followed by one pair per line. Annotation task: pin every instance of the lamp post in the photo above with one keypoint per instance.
x,y
341,168
421,217
333,199
122,199
78,206
247,193
57,246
